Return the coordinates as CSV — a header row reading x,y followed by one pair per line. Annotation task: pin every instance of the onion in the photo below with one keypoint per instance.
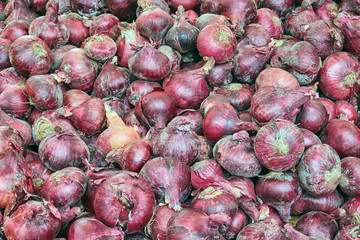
x,y
281,7
13,101
44,92
112,80
346,111
30,55
291,233
87,7
269,214
99,47
281,48
191,223
212,100
182,36
162,4
260,230
85,228
326,204
9,77
236,155
154,23
279,145
256,35
350,6
220,75
131,120
313,116
330,108
349,182
221,120
64,6
205,149
156,109
31,216
133,209
343,136
116,104
317,224
149,64
170,180
279,190
158,224
348,232
138,89
328,10
20,12
187,4
55,36
58,55
78,32
238,221
123,9
191,16
196,119
310,139
299,18
4,53
209,18
15,29
271,22
174,56
276,77
21,126
319,170
348,213
177,140
40,173
239,12
287,102
133,156
12,140
239,95
105,24
249,62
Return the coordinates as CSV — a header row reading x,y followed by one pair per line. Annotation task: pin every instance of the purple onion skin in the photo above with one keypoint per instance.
x,y
313,116
58,55
349,232
350,179
310,139
157,228
4,53
65,187
9,77
319,170
87,7
260,230
281,8
123,9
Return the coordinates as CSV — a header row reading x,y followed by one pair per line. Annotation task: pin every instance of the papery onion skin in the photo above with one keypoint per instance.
x,y
339,75
9,77
319,170
270,21
255,35
78,32
313,116
58,55
310,139
23,127
131,120
86,7
29,55
279,190
330,108
40,173
157,226
99,47
239,95
281,8
343,136
106,24
348,232
279,145
209,18
14,101
260,230
290,233
196,119
350,181
18,11
238,222
268,214
276,77
328,10
139,88
346,111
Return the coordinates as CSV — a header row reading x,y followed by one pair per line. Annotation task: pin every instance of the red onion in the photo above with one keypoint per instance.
x,y
194,224
9,77
44,92
350,6
116,105
239,12
328,10
276,77
209,18
78,32
187,4
205,149
326,204
239,95
271,22
319,170
349,182
2,14
343,136
191,16
125,199
64,6
310,139
85,228
238,221
317,224
249,62
174,56
156,108
77,70
279,190
27,220
236,155
65,187
189,87
13,101
299,18
220,75
313,116
58,55
269,214
123,9
104,24
99,47
21,126
154,23
177,140
4,53
14,30
129,36
196,119
290,233
182,36
281,7
112,80
29,55
216,41
170,180
40,173
133,156
281,48
221,120
346,111
256,35
279,145
20,12
131,120
349,24
55,36
157,226
149,64
330,108
37,5
348,213
162,4
138,89
87,7
12,140
212,100
260,230
349,232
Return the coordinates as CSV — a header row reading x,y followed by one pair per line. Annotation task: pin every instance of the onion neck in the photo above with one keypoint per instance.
x,y
210,62
172,197
52,12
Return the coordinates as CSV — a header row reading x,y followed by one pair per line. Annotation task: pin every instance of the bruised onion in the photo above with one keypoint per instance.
x,y
29,55
319,170
310,138
349,182
239,95
270,21
13,101
276,77
313,116
78,32
279,190
236,155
